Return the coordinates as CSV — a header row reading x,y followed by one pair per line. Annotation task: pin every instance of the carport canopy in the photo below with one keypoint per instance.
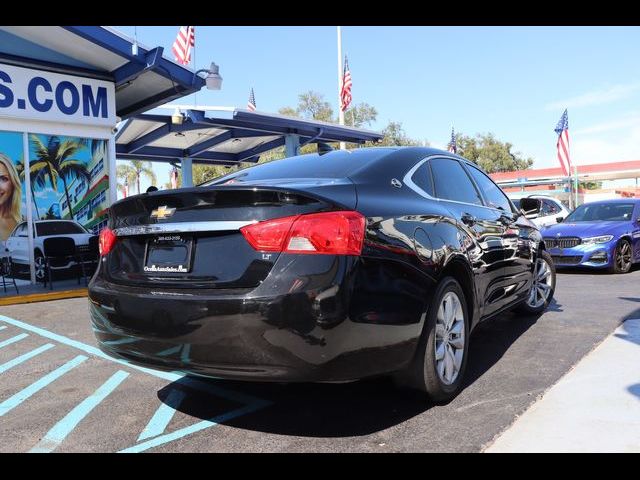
x,y
143,77
224,135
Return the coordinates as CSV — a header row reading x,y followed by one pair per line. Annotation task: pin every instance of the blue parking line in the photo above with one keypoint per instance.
x,y
121,341
15,339
23,358
169,351
64,427
170,437
171,376
163,415
12,402
186,352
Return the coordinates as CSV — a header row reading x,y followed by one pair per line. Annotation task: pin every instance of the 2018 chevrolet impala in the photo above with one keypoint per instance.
x,y
329,267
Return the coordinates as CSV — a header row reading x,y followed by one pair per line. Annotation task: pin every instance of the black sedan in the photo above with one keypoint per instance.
x,y
325,267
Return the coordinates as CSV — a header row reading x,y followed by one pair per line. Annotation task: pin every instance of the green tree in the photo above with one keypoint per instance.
x,y
491,154
288,111
126,173
141,168
312,105
590,185
54,163
360,115
394,135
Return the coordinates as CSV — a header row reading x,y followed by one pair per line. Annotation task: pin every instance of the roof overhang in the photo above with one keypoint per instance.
x,y
143,77
225,136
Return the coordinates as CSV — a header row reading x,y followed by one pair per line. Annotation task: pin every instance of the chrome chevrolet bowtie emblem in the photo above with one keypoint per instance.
x,y
162,212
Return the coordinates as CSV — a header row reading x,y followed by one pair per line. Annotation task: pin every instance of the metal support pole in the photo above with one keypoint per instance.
x,y
187,172
111,169
291,145
575,170
30,219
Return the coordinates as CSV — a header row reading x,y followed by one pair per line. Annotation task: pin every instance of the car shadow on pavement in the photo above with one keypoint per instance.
x,y
491,340
631,299
347,409
311,410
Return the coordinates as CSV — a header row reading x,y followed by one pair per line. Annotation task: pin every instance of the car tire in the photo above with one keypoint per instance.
x,y
622,257
543,287
40,267
441,357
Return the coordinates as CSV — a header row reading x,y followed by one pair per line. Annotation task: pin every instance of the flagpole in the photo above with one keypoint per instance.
x,y
195,94
575,171
340,112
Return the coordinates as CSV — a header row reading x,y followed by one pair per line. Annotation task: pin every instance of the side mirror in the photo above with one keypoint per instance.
x,y
559,219
530,207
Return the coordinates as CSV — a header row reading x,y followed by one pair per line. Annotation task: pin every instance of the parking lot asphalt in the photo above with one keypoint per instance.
x,y
58,393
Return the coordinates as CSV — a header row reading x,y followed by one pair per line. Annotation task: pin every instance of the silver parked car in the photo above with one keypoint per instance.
x,y
17,245
551,209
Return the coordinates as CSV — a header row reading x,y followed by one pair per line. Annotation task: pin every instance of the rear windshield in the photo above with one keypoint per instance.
x,y
58,228
337,164
602,212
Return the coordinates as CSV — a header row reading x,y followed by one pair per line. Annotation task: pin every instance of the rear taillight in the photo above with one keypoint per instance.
x,y
328,233
106,241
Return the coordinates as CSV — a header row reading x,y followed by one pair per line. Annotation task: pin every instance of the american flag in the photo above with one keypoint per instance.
x,y
345,91
182,46
452,147
251,104
562,129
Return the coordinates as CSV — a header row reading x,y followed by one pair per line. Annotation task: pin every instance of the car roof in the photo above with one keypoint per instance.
x,y
54,220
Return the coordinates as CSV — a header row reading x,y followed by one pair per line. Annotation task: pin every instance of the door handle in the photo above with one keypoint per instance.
x,y
468,219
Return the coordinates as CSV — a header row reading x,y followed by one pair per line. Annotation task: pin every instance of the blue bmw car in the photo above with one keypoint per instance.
x,y
603,235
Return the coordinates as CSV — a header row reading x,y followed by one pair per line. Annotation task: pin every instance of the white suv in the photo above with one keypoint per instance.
x,y
17,245
550,210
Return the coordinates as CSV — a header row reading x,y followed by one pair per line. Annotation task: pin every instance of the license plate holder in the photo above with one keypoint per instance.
x,y
168,255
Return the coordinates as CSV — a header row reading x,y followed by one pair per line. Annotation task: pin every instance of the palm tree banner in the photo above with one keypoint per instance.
x,y
68,177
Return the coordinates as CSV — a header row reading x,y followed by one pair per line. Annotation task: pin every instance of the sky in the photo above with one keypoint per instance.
x,y
514,82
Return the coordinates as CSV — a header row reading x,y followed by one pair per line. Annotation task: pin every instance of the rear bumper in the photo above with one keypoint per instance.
x,y
332,323
599,255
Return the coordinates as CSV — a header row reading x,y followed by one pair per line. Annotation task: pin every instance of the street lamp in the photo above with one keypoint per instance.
x,y
177,118
213,79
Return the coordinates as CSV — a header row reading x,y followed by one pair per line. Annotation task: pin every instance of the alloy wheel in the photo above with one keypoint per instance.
x,y
623,256
542,284
450,338
40,268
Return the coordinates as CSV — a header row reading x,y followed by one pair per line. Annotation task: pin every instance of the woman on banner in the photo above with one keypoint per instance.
x,y
10,196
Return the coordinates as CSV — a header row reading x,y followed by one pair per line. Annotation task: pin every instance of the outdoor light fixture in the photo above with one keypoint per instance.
x,y
213,79
177,117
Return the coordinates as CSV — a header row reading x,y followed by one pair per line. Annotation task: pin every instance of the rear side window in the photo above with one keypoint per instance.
x,y
492,193
549,208
336,164
20,231
422,178
452,182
